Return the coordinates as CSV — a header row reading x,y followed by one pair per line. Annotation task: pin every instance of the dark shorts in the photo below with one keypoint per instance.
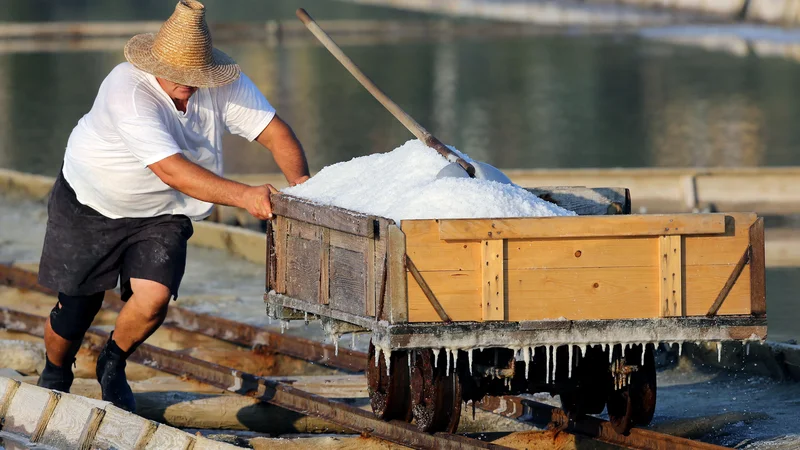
x,y
85,252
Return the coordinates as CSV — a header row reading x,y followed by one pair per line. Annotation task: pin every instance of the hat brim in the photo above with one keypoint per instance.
x,y
221,71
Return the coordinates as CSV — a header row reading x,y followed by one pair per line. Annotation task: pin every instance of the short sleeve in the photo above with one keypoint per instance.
x,y
247,111
144,133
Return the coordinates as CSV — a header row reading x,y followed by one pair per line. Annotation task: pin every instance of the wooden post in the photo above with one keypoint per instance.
x,y
325,267
397,278
758,284
280,253
493,280
670,278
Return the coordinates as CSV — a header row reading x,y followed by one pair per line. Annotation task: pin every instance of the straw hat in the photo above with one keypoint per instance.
x,y
181,51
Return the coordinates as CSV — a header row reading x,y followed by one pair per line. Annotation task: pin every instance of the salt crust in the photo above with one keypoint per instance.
x,y
402,185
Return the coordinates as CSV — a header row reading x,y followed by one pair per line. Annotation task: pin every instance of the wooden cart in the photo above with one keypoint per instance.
x,y
568,305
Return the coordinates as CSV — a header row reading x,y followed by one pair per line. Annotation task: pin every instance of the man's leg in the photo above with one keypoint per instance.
x,y
143,313
63,334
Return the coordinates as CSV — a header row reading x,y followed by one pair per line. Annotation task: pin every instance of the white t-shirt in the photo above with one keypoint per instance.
x,y
133,123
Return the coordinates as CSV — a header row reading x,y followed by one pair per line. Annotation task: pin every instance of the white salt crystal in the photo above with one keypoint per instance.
x,y
402,184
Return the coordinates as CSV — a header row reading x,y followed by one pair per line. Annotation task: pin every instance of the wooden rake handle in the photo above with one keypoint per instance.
x,y
415,128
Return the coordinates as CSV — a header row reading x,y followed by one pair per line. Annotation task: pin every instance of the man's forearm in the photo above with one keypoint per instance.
x,y
279,139
197,182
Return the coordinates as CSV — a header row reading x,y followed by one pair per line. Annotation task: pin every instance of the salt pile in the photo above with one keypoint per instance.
x,y
402,185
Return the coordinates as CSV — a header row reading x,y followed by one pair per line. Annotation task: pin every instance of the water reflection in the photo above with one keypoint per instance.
x,y
544,101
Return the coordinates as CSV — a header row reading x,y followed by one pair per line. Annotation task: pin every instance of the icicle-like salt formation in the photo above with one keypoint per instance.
x,y
469,358
610,353
747,348
335,344
547,367
387,358
719,352
644,350
409,359
569,361
435,357
447,353
555,361
680,349
527,358
377,356
284,325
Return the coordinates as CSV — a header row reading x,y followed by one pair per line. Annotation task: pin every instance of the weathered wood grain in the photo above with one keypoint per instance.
x,y
348,283
581,227
281,233
168,438
327,216
303,268
27,408
325,267
120,429
71,417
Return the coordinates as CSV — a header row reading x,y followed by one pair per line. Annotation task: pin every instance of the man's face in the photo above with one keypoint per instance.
x,y
176,91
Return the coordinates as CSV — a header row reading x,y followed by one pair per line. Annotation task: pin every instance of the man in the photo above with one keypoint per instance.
x,y
143,163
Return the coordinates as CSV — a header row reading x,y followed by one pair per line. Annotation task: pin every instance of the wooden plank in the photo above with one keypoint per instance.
x,y
303,268
348,282
280,253
86,440
168,438
121,429
381,264
348,241
703,284
459,293
27,408
429,252
272,263
72,415
397,281
720,249
586,201
326,216
325,267
575,294
369,261
493,280
583,227
8,388
758,283
577,253
670,275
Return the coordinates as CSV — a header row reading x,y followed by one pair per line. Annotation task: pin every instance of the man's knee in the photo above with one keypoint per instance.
x,y
150,298
73,314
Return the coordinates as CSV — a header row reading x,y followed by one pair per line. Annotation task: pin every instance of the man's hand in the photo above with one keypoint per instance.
x,y
256,201
300,180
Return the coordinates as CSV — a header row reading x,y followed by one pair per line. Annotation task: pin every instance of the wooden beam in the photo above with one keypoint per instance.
x,y
493,280
758,284
427,291
726,289
670,275
583,227
325,267
281,232
338,219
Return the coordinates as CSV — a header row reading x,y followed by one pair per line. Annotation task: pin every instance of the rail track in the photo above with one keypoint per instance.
x,y
286,396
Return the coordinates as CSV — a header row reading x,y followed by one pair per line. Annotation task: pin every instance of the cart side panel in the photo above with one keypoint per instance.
x,y
329,257
617,276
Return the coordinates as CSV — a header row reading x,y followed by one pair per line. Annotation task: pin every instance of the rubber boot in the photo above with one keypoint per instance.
x,y
56,378
111,376
60,378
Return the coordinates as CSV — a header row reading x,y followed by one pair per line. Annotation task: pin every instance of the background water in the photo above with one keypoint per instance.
x,y
561,99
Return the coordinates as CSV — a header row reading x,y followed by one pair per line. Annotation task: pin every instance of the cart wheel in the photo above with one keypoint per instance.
x,y
435,395
635,404
593,380
389,395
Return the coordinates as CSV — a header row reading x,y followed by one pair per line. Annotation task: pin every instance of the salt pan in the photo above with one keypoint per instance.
x,y
402,185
